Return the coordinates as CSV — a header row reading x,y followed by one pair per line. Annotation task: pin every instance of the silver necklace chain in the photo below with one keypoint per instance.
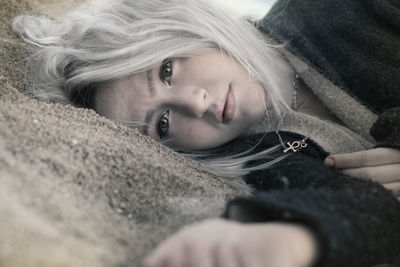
x,y
294,92
296,145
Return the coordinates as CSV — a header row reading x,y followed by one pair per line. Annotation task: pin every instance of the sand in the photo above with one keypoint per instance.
x,y
77,189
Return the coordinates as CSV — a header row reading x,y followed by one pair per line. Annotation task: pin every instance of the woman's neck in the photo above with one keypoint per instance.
x,y
307,101
286,78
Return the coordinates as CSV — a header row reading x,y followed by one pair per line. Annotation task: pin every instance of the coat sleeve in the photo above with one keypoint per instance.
x,y
356,222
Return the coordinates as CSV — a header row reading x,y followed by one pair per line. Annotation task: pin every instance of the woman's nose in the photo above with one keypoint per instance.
x,y
194,102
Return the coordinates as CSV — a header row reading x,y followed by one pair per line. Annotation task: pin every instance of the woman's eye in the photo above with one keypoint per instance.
x,y
163,124
166,71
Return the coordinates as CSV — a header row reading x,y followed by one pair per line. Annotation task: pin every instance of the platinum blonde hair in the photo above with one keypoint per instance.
x,y
104,41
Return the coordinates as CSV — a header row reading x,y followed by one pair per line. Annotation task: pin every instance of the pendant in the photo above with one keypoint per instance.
x,y
295,146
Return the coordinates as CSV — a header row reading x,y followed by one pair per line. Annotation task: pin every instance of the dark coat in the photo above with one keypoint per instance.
x,y
356,45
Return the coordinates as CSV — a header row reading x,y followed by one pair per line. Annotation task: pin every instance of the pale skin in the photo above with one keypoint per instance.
x,y
187,97
218,242
180,101
381,165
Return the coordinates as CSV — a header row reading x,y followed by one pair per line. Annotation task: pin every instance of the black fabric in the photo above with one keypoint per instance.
x,y
356,45
356,222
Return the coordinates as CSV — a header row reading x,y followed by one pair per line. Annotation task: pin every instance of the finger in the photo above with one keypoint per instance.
x,y
198,255
224,256
249,259
394,187
381,174
168,254
174,258
365,158
253,262
165,260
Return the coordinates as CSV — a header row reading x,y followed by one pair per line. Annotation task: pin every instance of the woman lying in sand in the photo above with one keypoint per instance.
x,y
303,105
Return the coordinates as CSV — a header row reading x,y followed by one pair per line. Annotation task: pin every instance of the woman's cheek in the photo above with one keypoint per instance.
x,y
197,136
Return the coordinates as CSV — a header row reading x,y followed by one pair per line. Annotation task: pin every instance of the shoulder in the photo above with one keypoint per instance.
x,y
352,43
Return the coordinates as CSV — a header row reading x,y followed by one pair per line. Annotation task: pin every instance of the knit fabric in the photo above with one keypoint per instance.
x,y
333,138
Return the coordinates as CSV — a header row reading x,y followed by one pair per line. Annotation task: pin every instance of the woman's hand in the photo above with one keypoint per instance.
x,y
226,243
381,165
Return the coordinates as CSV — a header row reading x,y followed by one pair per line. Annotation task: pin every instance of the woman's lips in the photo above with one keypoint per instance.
x,y
229,109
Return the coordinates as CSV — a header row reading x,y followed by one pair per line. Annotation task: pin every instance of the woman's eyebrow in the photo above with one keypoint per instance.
x,y
150,113
150,83
147,121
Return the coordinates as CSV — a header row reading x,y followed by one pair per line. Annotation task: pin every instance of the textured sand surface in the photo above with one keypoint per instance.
x,y
77,189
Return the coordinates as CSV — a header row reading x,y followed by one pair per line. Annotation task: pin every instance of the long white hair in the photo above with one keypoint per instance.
x,y
104,41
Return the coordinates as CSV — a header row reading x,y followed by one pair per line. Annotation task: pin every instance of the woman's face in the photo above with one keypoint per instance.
x,y
193,103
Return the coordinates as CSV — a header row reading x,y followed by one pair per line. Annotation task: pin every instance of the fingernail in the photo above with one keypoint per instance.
x,y
329,162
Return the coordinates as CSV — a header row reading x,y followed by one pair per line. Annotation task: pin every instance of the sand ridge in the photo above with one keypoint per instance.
x,y
77,189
